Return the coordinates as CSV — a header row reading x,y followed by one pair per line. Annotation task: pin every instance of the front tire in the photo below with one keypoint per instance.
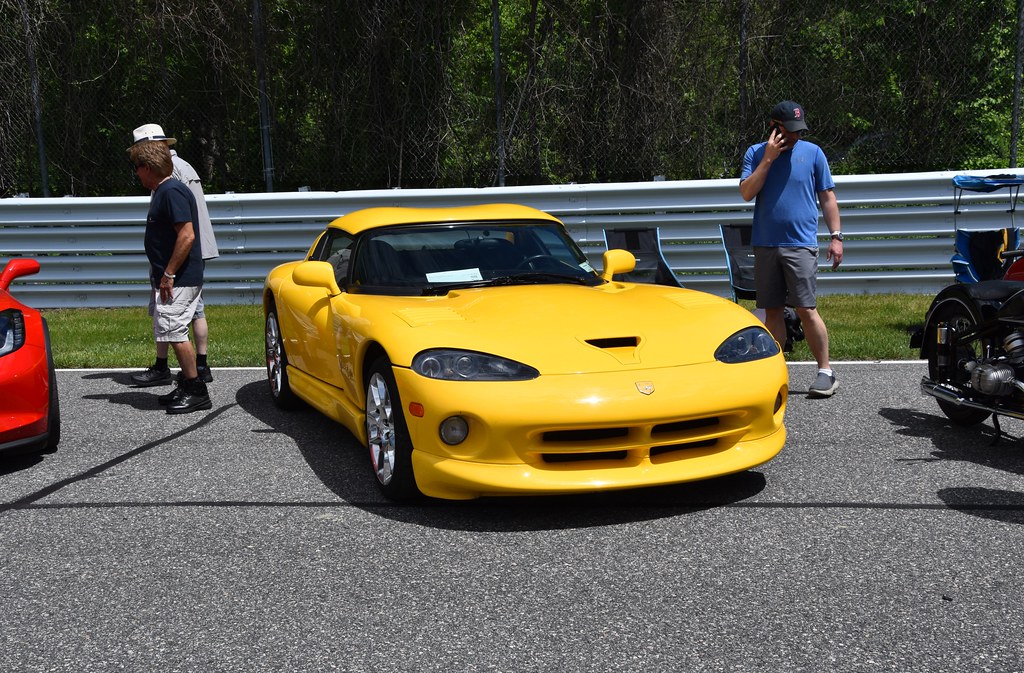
x,y
962,315
277,363
53,410
387,436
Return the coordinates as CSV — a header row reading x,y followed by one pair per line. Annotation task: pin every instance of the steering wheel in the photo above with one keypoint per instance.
x,y
535,262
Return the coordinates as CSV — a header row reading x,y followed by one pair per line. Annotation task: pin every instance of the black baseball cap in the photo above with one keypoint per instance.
x,y
791,115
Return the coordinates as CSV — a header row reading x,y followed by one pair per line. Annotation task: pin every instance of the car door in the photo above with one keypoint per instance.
x,y
313,345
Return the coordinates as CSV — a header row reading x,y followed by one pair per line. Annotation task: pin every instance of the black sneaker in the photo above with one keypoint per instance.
x,y
205,374
193,397
152,377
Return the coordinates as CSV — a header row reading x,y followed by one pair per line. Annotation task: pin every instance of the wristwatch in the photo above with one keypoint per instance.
x,y
837,234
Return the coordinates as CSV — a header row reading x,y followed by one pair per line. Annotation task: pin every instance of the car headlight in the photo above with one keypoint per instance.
x,y
752,343
449,364
12,331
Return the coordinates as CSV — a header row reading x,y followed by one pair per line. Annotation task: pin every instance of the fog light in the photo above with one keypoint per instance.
x,y
780,400
454,430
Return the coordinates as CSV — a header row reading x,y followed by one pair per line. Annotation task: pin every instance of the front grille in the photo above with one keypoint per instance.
x,y
661,443
580,457
584,435
684,426
662,454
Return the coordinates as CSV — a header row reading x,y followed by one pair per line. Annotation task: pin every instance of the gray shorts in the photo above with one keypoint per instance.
x,y
171,319
786,277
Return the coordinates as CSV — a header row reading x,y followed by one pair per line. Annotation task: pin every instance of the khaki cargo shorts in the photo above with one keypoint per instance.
x,y
171,319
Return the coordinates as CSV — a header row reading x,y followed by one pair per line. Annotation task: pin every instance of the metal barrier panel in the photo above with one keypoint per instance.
x,y
899,232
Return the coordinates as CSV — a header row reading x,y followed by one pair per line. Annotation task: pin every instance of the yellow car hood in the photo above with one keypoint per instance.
x,y
560,328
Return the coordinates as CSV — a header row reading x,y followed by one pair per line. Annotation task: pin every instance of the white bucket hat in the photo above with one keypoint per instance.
x,y
151,132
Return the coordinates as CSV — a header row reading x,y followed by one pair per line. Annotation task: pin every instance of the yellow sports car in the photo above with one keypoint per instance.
x,y
474,351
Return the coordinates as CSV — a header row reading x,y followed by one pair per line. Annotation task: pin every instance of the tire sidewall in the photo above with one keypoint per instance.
x,y
402,485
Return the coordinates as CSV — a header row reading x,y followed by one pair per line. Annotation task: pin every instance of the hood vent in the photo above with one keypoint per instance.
x,y
615,342
623,349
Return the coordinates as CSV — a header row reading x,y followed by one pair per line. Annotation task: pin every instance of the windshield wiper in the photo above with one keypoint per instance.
x,y
445,288
539,277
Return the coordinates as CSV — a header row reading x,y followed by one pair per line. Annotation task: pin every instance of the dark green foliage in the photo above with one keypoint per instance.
x,y
369,94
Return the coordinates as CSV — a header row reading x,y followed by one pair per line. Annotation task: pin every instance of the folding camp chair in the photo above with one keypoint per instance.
x,y
992,183
978,254
645,244
740,256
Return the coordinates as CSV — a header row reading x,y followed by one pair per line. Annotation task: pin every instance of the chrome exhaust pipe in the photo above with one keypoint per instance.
x,y
947,394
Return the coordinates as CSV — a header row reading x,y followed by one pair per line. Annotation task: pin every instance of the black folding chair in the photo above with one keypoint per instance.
x,y
740,255
645,244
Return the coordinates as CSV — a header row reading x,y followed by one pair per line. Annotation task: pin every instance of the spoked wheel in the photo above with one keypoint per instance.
x,y
277,364
386,434
961,317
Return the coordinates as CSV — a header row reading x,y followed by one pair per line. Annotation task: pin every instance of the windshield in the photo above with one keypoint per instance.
x,y
435,258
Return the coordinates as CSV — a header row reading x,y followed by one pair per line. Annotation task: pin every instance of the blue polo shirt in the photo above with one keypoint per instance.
x,y
172,202
786,208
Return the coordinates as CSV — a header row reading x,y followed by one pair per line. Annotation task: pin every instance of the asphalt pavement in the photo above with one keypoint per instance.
x,y
250,539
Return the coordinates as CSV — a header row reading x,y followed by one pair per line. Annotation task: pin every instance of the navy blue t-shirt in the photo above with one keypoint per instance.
x,y
172,202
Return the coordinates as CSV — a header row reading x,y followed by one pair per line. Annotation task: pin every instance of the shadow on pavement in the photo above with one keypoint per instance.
x,y
986,503
976,444
12,464
342,466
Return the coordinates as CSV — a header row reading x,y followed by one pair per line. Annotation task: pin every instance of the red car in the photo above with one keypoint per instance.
x,y
29,409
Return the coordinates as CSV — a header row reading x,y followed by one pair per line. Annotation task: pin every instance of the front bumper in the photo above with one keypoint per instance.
x,y
25,391
588,432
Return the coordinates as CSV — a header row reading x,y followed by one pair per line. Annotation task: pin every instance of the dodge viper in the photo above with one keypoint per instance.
x,y
29,407
474,351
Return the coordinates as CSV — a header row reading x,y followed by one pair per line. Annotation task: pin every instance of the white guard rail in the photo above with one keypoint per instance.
x,y
899,232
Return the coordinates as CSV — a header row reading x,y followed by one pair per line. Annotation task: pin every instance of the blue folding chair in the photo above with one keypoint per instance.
x,y
978,254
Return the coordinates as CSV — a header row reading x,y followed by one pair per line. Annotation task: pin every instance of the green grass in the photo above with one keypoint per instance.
x,y
123,337
867,327
861,327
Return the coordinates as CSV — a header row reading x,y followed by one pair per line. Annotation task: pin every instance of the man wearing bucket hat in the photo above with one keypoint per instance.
x,y
786,175
160,373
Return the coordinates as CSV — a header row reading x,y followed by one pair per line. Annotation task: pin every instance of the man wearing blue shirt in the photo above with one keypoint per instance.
x,y
789,178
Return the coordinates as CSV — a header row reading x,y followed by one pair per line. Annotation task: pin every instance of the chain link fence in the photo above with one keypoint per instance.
x,y
368,94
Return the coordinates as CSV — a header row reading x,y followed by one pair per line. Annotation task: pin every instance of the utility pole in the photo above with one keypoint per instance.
x,y
499,89
37,105
261,84
1015,122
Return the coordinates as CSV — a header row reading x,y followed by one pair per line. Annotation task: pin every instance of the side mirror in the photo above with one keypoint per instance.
x,y
617,261
316,274
17,267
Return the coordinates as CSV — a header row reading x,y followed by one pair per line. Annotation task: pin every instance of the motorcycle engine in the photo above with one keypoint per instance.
x,y
997,380
998,377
